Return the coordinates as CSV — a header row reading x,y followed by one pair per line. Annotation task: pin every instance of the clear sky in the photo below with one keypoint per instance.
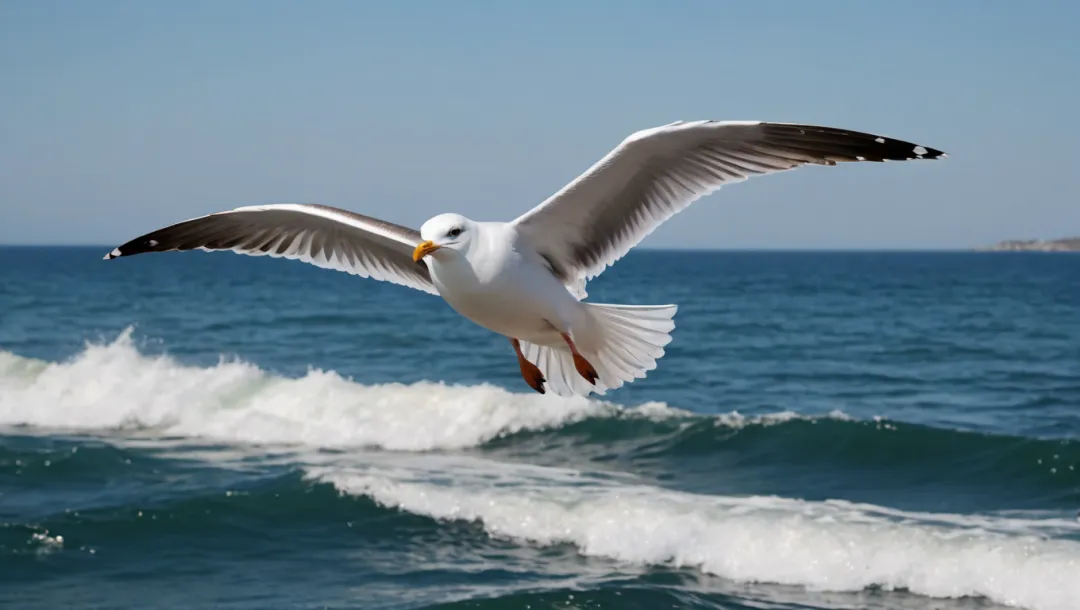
x,y
117,118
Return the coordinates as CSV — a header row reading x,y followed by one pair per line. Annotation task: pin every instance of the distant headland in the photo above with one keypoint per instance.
x,y
1067,244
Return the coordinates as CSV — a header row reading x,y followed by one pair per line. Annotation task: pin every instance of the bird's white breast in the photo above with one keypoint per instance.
x,y
503,287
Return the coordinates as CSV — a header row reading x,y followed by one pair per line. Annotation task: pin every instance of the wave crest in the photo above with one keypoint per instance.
x,y
114,386
826,546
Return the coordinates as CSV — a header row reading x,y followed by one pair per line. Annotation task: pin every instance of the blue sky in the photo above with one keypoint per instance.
x,y
120,117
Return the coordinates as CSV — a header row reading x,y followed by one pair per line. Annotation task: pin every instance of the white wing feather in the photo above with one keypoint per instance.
x,y
324,236
655,173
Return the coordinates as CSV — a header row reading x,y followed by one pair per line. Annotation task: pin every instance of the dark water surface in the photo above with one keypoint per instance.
x,y
827,430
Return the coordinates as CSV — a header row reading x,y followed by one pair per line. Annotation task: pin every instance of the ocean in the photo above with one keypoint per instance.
x,y
833,430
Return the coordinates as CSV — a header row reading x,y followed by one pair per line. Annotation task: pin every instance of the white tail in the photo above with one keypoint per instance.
x,y
622,342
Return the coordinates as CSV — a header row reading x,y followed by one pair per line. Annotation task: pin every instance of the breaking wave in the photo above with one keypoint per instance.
x,y
828,546
1023,560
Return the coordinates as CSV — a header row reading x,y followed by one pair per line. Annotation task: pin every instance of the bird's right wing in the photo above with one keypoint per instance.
x,y
655,173
320,235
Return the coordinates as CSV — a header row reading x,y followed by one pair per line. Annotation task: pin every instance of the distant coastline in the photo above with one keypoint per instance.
x,y
1067,244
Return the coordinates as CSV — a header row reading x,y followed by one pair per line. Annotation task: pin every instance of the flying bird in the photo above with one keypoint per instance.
x,y
525,279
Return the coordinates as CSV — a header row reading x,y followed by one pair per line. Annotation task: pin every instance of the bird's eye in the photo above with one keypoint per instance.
x,y
454,232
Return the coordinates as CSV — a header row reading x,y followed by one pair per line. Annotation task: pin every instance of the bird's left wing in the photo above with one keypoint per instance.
x,y
320,235
655,173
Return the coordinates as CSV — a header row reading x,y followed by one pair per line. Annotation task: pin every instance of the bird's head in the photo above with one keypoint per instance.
x,y
446,232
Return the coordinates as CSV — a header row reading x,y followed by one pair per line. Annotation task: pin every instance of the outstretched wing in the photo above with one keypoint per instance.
x,y
655,173
321,235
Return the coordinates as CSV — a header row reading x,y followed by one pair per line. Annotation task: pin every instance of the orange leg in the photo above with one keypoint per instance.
x,y
529,371
584,368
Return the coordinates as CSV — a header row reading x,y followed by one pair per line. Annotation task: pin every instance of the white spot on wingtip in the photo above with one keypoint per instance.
x,y
115,253
860,158
919,150
153,242
879,140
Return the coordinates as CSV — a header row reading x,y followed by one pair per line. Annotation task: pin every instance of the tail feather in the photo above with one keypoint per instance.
x,y
623,343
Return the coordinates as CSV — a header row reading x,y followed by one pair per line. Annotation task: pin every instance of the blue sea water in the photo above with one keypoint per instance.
x,y
826,430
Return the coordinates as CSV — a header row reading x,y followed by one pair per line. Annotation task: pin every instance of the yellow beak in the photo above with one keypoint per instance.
x,y
425,248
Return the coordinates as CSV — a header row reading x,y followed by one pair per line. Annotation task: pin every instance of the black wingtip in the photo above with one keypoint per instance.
x,y
883,148
892,149
837,145
925,152
138,245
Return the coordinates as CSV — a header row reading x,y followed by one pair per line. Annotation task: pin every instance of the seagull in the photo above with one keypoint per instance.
x,y
525,279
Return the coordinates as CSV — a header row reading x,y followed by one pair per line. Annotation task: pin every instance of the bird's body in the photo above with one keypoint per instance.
x,y
493,284
506,288
525,279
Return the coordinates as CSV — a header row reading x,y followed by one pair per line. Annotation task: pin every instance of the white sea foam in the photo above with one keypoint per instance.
x,y
828,546
834,546
113,385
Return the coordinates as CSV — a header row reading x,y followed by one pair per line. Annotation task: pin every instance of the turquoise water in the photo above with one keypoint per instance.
x,y
827,430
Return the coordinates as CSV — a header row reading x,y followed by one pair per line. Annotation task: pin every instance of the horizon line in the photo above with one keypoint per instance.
x,y
646,248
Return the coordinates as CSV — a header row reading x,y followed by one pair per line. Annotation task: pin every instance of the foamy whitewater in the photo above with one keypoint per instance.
x,y
112,386
433,450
